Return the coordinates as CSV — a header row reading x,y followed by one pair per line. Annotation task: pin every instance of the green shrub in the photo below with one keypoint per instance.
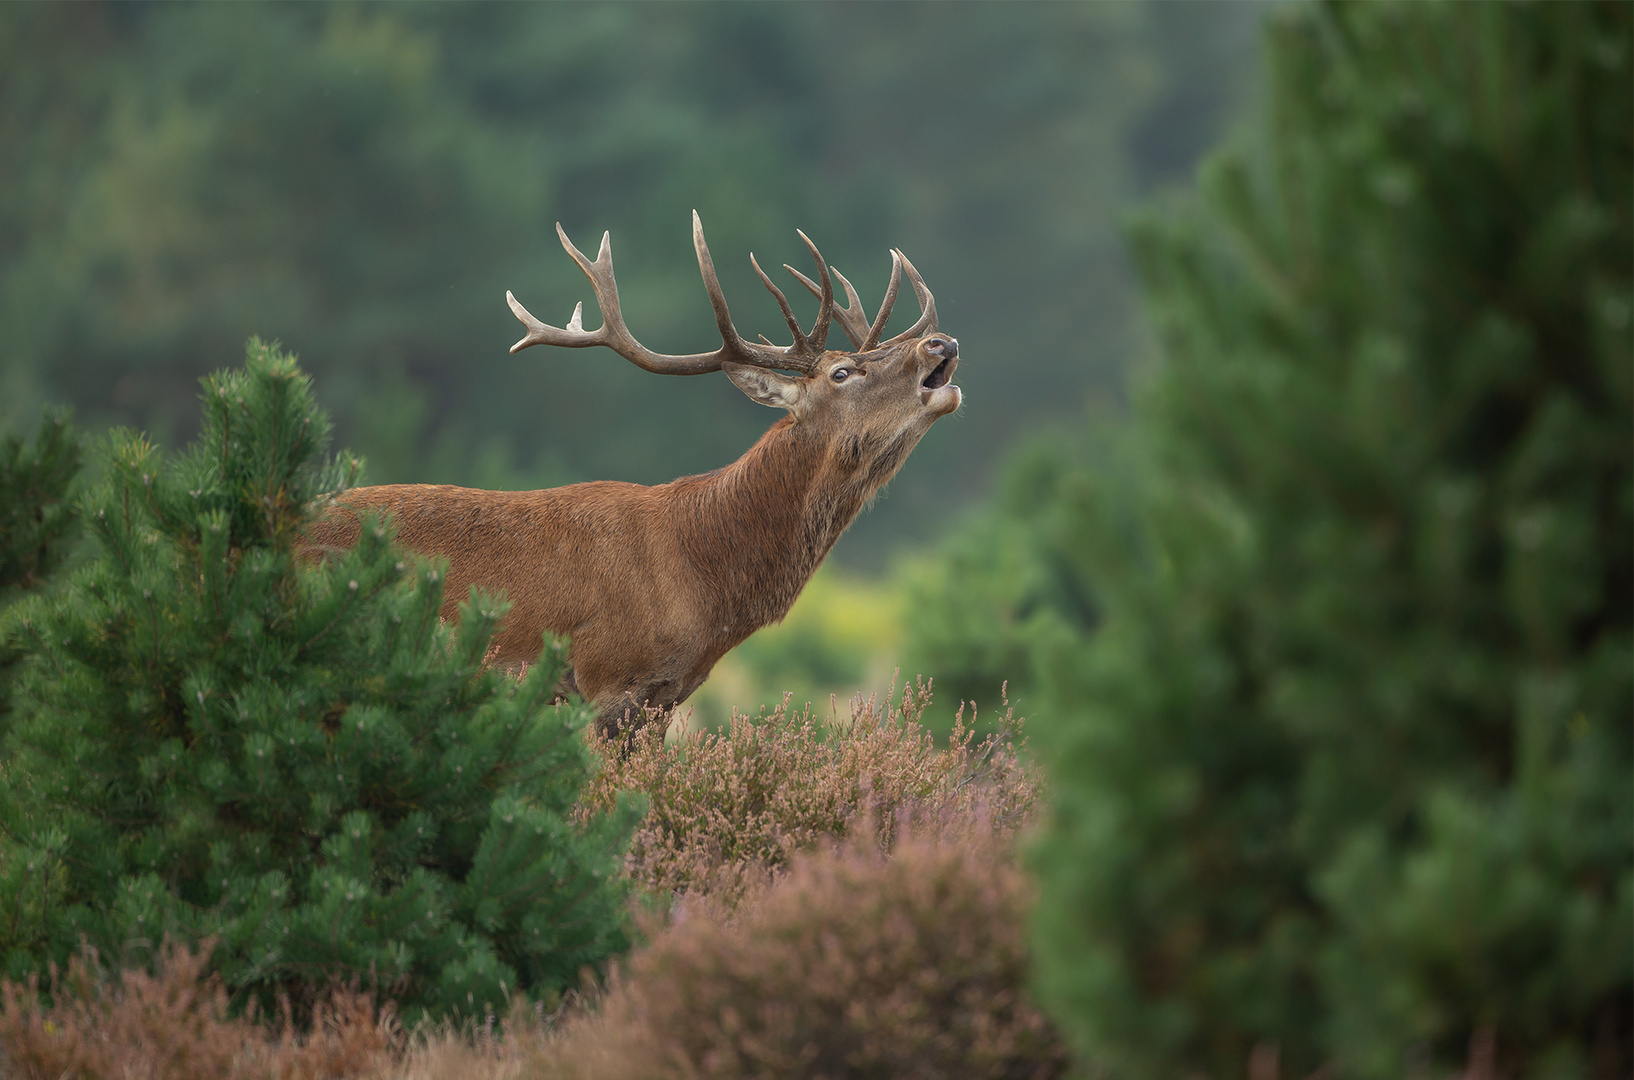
x,y
1001,593
37,523
214,738
1347,768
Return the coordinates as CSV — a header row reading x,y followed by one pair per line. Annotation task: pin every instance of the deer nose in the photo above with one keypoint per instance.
x,y
946,348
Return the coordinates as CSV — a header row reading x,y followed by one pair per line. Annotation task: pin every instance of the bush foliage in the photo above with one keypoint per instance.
x,y
176,1024
854,963
842,900
884,935
1018,597
296,767
213,738
728,809
1347,768
37,522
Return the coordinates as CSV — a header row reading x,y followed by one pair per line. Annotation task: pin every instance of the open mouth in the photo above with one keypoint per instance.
x,y
940,374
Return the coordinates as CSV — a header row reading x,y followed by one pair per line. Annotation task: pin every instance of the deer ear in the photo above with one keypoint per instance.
x,y
767,387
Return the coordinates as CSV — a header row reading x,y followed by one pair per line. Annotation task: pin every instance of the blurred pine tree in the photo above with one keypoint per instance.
x,y
37,523
213,739
1347,768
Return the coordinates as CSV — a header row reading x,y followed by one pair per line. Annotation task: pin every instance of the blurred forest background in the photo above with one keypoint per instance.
x,y
363,182
1324,616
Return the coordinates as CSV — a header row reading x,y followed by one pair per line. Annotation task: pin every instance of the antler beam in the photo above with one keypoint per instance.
x,y
801,356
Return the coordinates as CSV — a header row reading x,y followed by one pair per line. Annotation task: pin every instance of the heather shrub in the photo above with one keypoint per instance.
x,y
854,963
727,809
214,737
175,1024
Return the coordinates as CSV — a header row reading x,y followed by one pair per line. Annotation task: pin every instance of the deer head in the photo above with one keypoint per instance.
x,y
870,405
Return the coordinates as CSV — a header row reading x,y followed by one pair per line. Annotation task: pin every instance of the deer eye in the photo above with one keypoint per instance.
x,y
840,374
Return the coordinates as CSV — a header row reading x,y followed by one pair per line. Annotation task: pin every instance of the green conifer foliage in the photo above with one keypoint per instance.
x,y
216,738
36,518
37,522
1348,768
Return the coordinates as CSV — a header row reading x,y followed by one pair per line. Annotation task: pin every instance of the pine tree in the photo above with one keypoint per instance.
x,y
1348,767
216,737
37,523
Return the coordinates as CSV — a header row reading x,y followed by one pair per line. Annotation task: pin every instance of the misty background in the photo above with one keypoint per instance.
x,y
364,182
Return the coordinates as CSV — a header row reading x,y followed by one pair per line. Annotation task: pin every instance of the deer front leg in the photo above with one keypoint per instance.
x,y
632,709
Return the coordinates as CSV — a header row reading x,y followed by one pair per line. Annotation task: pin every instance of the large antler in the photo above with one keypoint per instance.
x,y
801,356
853,320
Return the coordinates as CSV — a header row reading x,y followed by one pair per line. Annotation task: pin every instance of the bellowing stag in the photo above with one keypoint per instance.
x,y
656,584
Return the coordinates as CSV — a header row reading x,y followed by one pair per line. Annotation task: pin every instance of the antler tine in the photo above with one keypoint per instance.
x,y
862,335
884,316
574,335
782,302
745,352
805,344
927,304
818,337
712,284
849,317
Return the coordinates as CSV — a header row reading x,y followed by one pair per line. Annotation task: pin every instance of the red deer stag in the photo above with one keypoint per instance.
x,y
655,584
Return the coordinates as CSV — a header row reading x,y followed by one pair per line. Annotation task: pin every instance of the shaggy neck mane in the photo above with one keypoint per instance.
x,y
758,529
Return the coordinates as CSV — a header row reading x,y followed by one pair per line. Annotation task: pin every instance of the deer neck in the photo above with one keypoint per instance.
x,y
762,525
